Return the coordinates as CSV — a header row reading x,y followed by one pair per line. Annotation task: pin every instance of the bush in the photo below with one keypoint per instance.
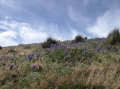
x,y
113,37
51,41
0,47
79,38
33,77
45,45
48,43
11,51
85,38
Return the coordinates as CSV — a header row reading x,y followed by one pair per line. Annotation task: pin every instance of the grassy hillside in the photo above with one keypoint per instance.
x,y
91,64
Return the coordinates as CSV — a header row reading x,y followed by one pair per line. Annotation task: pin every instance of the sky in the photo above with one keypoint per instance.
x,y
33,21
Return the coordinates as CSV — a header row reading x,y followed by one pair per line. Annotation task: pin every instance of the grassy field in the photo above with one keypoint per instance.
x,y
66,65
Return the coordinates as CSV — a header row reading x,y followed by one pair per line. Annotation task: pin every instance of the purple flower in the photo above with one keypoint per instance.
x,y
11,67
103,53
53,46
34,67
30,56
3,64
37,56
98,50
65,52
85,49
17,66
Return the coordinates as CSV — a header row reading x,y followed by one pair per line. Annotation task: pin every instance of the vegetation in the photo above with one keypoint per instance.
x,y
49,42
0,47
114,37
11,51
79,38
85,38
78,65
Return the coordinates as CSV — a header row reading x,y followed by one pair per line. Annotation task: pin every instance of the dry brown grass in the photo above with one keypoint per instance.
x,y
101,75
96,75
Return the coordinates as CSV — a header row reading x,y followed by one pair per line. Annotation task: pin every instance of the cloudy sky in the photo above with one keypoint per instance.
x,y
32,21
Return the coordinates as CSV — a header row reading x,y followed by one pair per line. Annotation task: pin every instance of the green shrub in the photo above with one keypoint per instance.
x,y
11,51
113,37
48,43
72,55
6,86
79,38
51,41
33,77
45,45
55,56
24,81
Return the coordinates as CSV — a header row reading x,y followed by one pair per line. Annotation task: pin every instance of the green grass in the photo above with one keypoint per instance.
x,y
82,66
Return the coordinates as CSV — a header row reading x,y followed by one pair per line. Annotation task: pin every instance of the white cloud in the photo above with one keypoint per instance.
x,y
56,32
105,23
6,38
17,32
30,35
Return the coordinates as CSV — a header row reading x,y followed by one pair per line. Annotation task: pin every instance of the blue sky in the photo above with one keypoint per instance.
x,y
32,21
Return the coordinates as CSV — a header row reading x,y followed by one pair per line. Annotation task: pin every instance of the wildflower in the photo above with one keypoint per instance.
x,y
30,57
11,67
52,45
85,49
3,64
98,50
65,52
103,53
37,55
34,67
17,66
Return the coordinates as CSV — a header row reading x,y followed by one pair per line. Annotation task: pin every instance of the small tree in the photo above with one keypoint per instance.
x,y
11,50
85,38
113,37
48,43
0,47
79,38
51,40
45,45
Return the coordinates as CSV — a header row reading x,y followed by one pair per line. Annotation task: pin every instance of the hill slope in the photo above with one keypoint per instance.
x,y
67,65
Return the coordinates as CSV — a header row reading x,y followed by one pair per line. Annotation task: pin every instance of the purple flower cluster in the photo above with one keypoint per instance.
x,y
34,67
55,46
31,56
65,52
92,45
98,49
3,64
11,67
